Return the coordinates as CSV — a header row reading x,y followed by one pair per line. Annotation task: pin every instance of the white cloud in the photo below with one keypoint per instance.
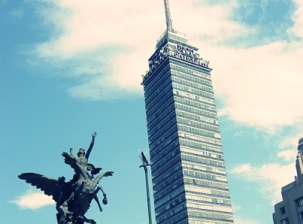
x,y
106,44
242,220
269,178
261,87
236,207
288,155
32,200
291,142
244,168
298,18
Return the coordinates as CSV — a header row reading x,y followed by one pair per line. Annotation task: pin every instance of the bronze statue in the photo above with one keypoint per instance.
x,y
72,198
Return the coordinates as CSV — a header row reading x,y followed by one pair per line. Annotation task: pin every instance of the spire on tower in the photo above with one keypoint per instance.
x,y
169,24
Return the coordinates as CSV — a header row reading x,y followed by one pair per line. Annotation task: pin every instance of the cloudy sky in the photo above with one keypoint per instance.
x,y
71,67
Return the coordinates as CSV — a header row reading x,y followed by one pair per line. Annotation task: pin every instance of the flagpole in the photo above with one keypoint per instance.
x,y
145,164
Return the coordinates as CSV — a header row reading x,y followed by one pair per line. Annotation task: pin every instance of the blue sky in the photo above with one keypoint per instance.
x,y
69,68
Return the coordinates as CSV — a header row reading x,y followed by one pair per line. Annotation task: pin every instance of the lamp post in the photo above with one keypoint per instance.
x,y
144,165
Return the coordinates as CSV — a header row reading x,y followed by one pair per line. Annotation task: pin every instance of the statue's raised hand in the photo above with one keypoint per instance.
x,y
94,134
64,154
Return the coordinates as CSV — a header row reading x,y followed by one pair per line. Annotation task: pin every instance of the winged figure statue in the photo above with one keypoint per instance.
x,y
73,198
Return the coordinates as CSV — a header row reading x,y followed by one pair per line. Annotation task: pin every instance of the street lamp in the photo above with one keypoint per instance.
x,y
144,165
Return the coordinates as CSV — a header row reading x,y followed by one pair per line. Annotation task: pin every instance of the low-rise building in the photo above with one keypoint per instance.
x,y
290,209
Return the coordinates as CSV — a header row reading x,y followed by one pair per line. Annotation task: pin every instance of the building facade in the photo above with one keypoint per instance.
x,y
290,209
188,169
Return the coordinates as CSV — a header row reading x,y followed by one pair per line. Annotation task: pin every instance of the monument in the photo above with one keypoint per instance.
x,y
73,197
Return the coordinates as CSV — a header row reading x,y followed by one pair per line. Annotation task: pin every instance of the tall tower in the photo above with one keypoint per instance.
x,y
188,169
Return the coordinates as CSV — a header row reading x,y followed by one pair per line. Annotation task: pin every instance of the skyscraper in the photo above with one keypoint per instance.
x,y
188,169
290,209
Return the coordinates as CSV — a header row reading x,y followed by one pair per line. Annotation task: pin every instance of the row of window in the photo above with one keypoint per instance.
x,y
162,101
161,193
286,221
171,204
196,104
158,113
195,221
196,131
214,155
209,207
199,138
171,195
170,149
202,160
155,80
165,136
191,78
203,168
216,216
184,142
191,127
202,190
164,155
154,90
173,165
218,156
194,97
174,216
194,110
159,105
156,130
160,95
197,124
200,198
299,203
203,183
162,132
198,118
159,152
166,160
201,175
162,183
195,91
192,84
189,70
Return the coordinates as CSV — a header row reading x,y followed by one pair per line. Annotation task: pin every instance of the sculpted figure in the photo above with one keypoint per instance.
x,y
72,198
82,160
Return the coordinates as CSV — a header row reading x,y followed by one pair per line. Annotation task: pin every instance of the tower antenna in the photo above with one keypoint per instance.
x,y
169,24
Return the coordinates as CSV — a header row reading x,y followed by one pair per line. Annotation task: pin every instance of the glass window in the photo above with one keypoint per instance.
x,y
301,215
282,210
299,201
285,221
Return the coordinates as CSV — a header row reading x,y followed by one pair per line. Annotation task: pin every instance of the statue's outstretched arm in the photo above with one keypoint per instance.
x,y
91,145
71,153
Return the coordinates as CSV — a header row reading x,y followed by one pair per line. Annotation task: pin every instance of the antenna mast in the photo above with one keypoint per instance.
x,y
169,24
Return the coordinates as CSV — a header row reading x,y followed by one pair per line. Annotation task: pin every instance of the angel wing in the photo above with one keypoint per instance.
x,y
144,160
51,187
94,170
